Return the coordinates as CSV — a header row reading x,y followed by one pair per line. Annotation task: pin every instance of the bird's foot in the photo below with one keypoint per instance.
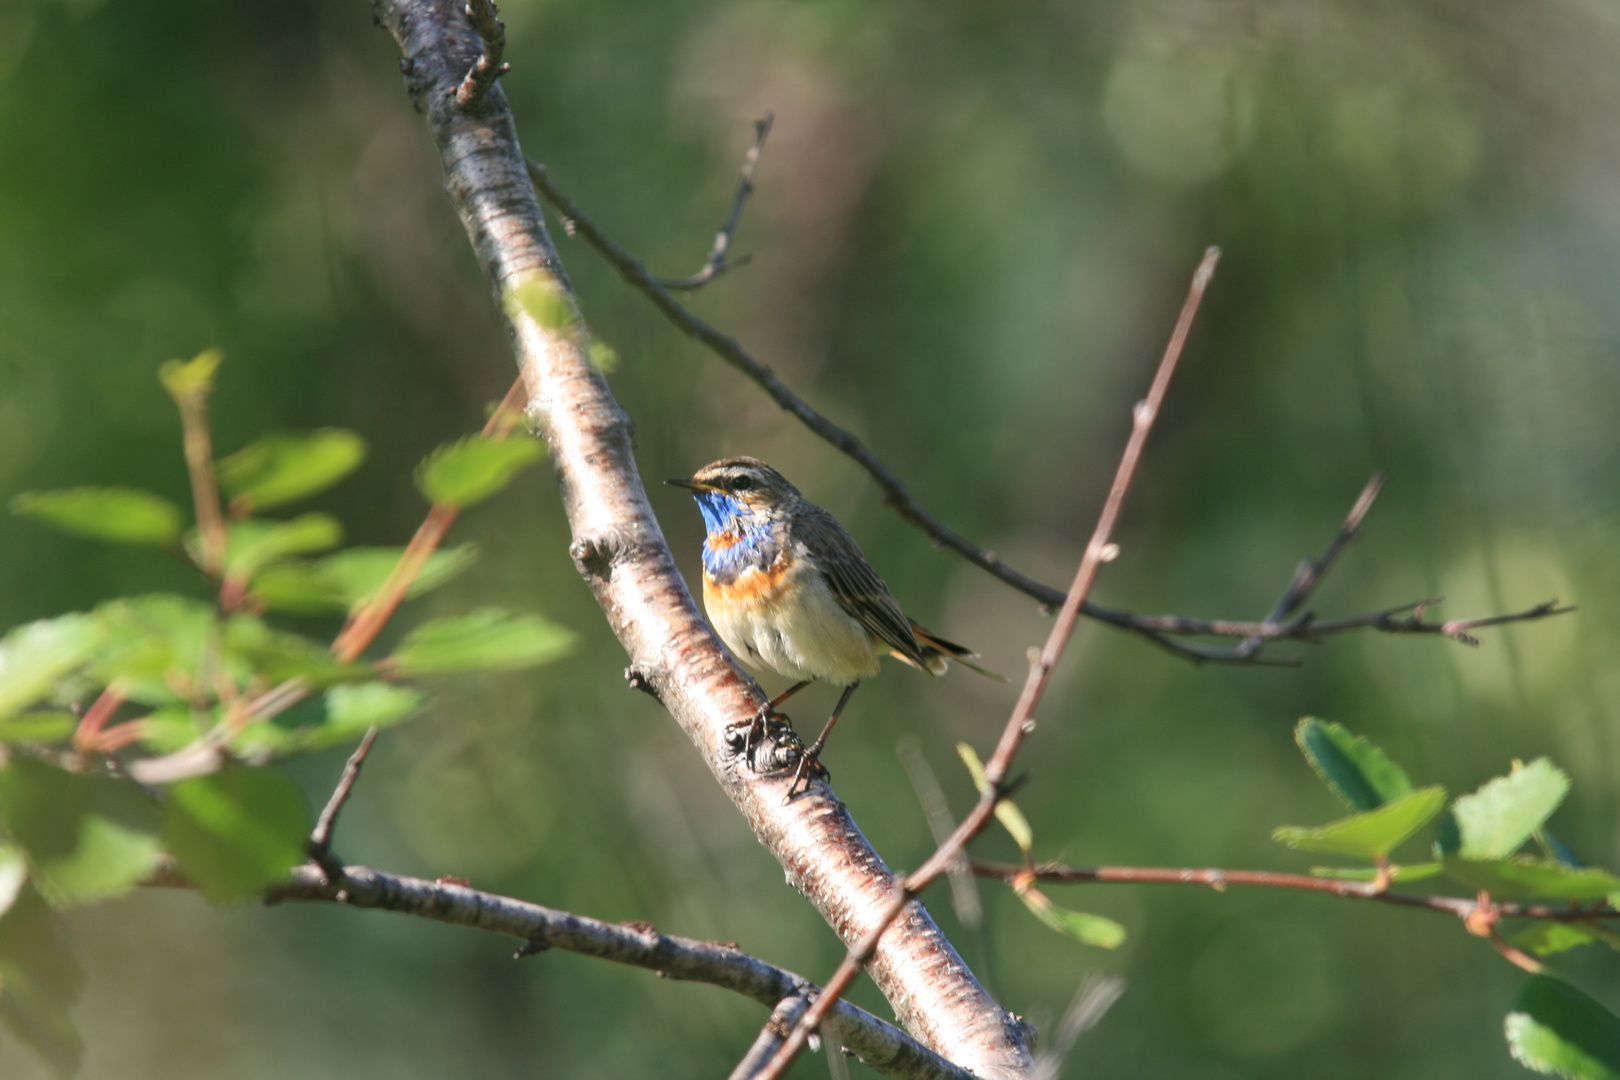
x,y
809,768
766,741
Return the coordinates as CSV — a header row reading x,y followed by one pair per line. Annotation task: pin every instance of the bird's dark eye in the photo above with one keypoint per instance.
x,y
742,483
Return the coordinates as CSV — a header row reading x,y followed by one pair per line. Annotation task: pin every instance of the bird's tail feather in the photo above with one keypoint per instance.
x,y
937,653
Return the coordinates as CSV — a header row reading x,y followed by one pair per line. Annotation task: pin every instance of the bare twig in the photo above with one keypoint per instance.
x,y
482,14
881,1045
1162,630
782,1019
1092,1000
1218,880
717,263
1020,723
320,840
964,890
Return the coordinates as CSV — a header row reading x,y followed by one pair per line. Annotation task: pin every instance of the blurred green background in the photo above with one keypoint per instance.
x,y
974,225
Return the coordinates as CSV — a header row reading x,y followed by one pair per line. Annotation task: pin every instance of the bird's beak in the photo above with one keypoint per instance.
x,y
691,485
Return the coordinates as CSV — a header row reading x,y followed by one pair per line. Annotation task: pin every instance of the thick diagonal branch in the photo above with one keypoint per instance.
x,y
620,550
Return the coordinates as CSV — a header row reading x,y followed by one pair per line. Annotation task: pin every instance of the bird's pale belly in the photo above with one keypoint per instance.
x,y
787,620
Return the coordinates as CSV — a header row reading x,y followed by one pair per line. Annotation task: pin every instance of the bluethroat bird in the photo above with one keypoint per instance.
x,y
788,590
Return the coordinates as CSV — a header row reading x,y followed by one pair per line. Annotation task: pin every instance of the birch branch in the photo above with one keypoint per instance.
x,y
620,551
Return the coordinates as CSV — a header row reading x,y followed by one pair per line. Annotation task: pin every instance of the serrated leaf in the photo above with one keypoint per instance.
x,y
1357,771
252,544
251,645
37,727
1545,937
40,978
1087,929
1370,835
154,643
87,837
119,515
289,465
350,710
1496,820
488,639
1415,872
542,301
188,381
349,578
35,655
1523,877
1556,1029
1012,819
471,470
235,831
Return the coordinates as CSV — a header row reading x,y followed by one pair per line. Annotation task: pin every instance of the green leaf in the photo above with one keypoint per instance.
x,y
350,710
170,729
472,469
289,465
1496,820
189,381
236,831
1415,872
604,358
117,514
1356,770
544,302
1545,937
1555,1028
35,655
252,544
1370,835
13,874
1523,877
40,978
154,645
38,727
1012,819
87,837
1086,929
488,639
349,578
253,646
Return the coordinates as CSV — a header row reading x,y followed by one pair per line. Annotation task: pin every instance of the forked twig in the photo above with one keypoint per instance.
x,y
717,263
1019,723
1162,630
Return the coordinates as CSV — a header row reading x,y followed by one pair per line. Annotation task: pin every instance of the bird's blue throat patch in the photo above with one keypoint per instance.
x,y
737,537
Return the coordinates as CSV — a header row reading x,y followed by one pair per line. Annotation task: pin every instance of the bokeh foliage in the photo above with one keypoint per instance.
x,y
974,223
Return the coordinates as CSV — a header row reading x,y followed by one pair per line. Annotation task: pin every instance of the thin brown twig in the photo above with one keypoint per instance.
x,y
1020,723
881,1045
717,263
482,14
1218,879
321,837
1162,630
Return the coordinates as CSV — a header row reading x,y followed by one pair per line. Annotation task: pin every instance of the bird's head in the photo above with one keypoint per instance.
x,y
736,488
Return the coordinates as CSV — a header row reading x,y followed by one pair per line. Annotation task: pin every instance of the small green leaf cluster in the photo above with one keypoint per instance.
x,y
133,736
1554,1027
1087,929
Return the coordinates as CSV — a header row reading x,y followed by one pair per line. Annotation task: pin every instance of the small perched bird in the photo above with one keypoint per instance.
x,y
788,590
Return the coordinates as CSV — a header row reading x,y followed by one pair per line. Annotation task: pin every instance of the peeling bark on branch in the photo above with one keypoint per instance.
x,y
620,550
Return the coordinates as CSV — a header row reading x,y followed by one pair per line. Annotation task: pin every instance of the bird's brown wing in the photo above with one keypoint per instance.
x,y
854,584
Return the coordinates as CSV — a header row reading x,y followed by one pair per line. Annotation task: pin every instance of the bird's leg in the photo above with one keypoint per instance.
x,y
754,726
811,761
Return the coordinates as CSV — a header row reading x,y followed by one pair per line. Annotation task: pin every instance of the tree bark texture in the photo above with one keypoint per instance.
x,y
620,550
